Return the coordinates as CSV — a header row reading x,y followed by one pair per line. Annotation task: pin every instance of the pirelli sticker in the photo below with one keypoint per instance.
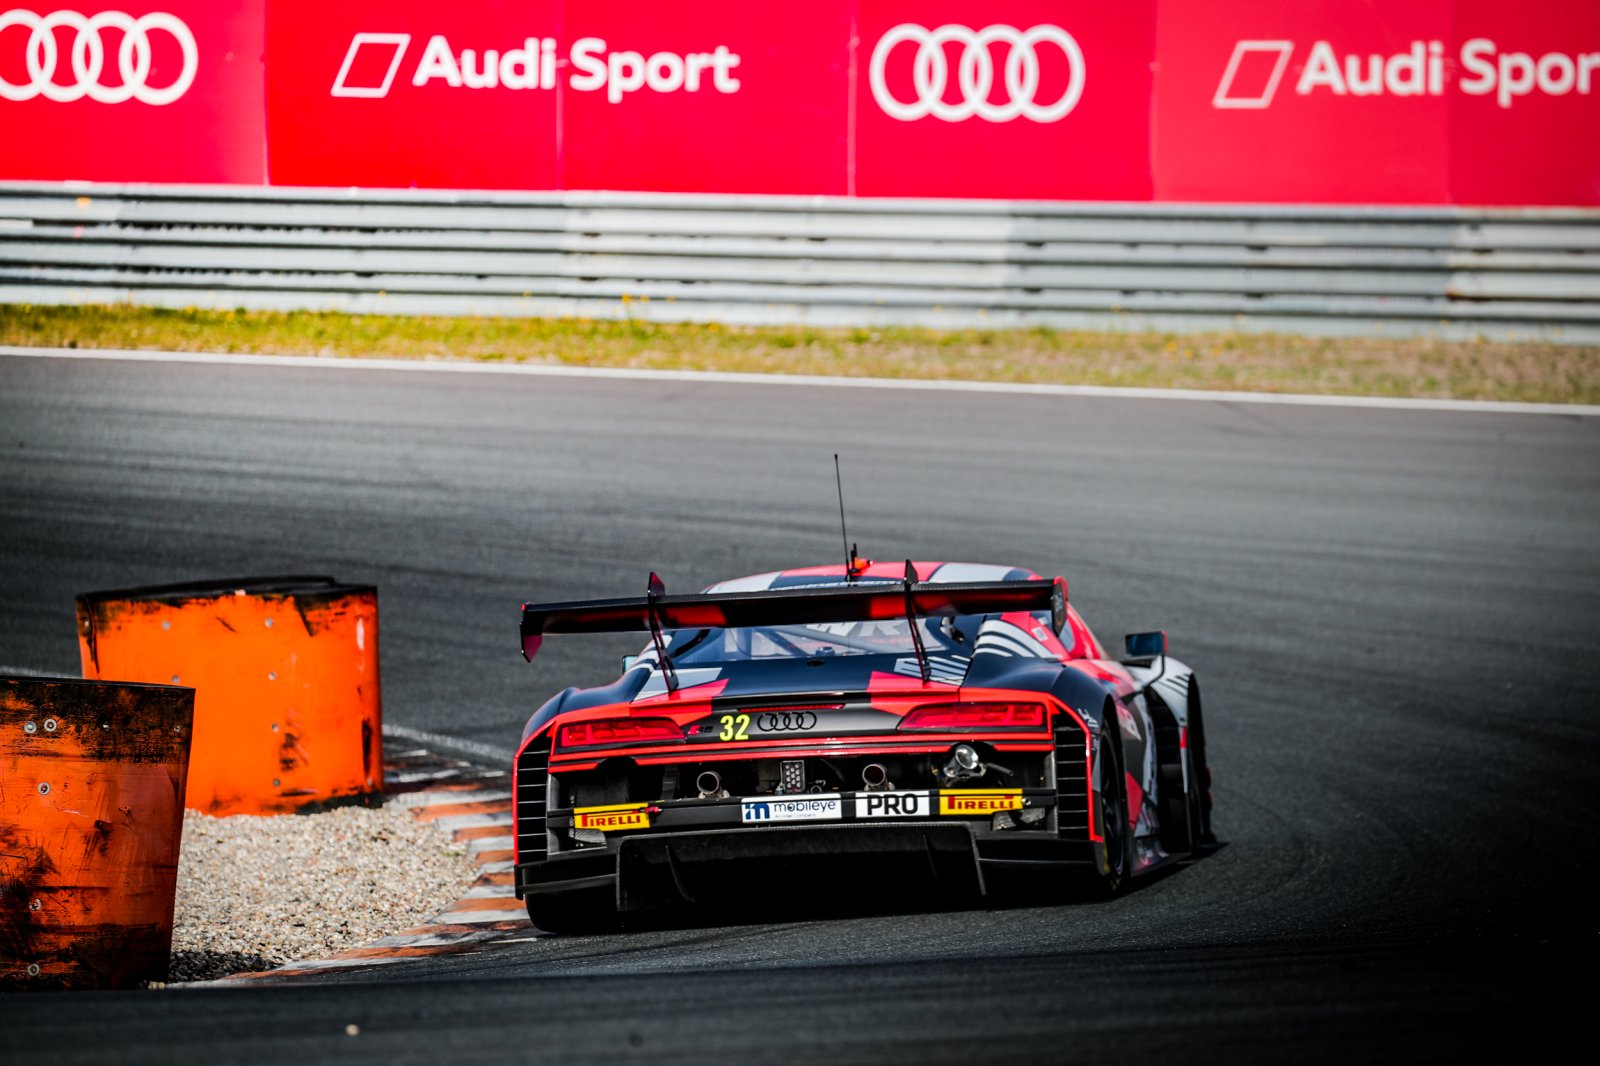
x,y
612,819
971,803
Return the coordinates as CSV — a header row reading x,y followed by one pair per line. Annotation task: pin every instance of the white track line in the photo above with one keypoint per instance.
x,y
411,777
711,377
33,671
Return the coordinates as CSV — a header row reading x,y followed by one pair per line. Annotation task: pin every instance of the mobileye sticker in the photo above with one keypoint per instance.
x,y
610,819
972,803
810,809
894,805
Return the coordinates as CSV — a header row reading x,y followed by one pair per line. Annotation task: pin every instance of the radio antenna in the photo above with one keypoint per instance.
x,y
849,556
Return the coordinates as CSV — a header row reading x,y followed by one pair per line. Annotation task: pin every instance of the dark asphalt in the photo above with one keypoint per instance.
x,y
1393,614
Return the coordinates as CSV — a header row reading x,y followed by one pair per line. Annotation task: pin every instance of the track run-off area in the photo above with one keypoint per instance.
x,y
1392,611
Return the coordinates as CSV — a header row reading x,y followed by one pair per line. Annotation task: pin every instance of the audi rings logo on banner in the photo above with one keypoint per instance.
x,y
87,57
930,73
784,721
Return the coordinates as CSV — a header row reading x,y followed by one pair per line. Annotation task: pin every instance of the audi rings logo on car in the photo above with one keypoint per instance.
x,y
783,721
930,73
87,57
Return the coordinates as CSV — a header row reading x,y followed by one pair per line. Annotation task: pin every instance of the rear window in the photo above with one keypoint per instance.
x,y
816,641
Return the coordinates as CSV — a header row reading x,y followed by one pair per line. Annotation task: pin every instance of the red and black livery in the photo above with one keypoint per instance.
x,y
947,719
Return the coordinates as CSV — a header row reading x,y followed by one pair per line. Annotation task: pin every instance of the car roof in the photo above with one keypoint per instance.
x,y
929,572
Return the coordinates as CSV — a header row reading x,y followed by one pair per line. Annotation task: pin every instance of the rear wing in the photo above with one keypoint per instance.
x,y
803,605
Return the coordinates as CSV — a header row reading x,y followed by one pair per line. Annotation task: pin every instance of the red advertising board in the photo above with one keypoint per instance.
x,y
715,96
404,93
1525,119
1317,101
1427,101
1255,98
1013,98
132,90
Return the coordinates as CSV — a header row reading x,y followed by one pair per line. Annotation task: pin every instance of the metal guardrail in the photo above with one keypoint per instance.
x,y
1531,272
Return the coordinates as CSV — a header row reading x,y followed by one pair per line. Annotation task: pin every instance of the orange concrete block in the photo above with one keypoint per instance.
x,y
288,711
91,814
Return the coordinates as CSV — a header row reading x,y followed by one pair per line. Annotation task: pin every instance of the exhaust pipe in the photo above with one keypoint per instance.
x,y
875,777
710,785
963,764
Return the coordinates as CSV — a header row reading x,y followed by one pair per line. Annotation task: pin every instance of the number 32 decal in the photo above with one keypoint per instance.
x,y
734,727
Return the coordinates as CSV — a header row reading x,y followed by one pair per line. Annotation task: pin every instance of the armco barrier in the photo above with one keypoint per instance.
x,y
826,261
91,813
288,713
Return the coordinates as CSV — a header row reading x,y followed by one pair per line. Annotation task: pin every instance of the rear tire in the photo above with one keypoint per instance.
x,y
575,913
1199,769
1113,855
1194,805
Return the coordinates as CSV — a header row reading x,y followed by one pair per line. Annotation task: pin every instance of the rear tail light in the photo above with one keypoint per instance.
x,y
976,717
619,731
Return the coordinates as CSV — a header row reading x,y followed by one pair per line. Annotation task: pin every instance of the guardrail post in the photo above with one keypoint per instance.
x,y
288,712
91,814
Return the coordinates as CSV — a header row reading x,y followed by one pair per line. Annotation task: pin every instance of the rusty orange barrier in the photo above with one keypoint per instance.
x,y
288,714
91,812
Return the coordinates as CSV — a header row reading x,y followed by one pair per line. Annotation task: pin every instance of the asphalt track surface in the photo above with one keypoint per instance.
x,y
1393,614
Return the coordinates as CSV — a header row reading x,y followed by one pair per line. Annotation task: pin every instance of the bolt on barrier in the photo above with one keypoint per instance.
x,y
288,710
91,814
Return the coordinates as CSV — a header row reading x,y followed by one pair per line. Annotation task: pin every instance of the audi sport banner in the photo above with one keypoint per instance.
x,y
1422,101
1413,101
718,96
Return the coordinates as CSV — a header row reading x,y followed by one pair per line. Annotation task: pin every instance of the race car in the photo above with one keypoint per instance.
x,y
938,722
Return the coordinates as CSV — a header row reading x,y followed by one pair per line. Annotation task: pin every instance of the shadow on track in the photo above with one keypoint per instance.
x,y
750,901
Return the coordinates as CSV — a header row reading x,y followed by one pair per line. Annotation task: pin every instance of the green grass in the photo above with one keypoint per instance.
x,y
1475,370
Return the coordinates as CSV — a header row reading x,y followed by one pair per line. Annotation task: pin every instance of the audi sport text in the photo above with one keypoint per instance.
x,y
1255,68
532,64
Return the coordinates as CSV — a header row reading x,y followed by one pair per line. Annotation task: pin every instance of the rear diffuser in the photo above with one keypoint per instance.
x,y
940,861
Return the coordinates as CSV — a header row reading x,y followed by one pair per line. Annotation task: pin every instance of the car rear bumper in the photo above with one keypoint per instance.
x,y
646,871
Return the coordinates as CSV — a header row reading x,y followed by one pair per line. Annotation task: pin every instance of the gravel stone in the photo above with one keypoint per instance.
x,y
255,893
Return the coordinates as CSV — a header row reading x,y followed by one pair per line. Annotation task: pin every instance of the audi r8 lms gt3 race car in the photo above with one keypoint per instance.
x,y
942,721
